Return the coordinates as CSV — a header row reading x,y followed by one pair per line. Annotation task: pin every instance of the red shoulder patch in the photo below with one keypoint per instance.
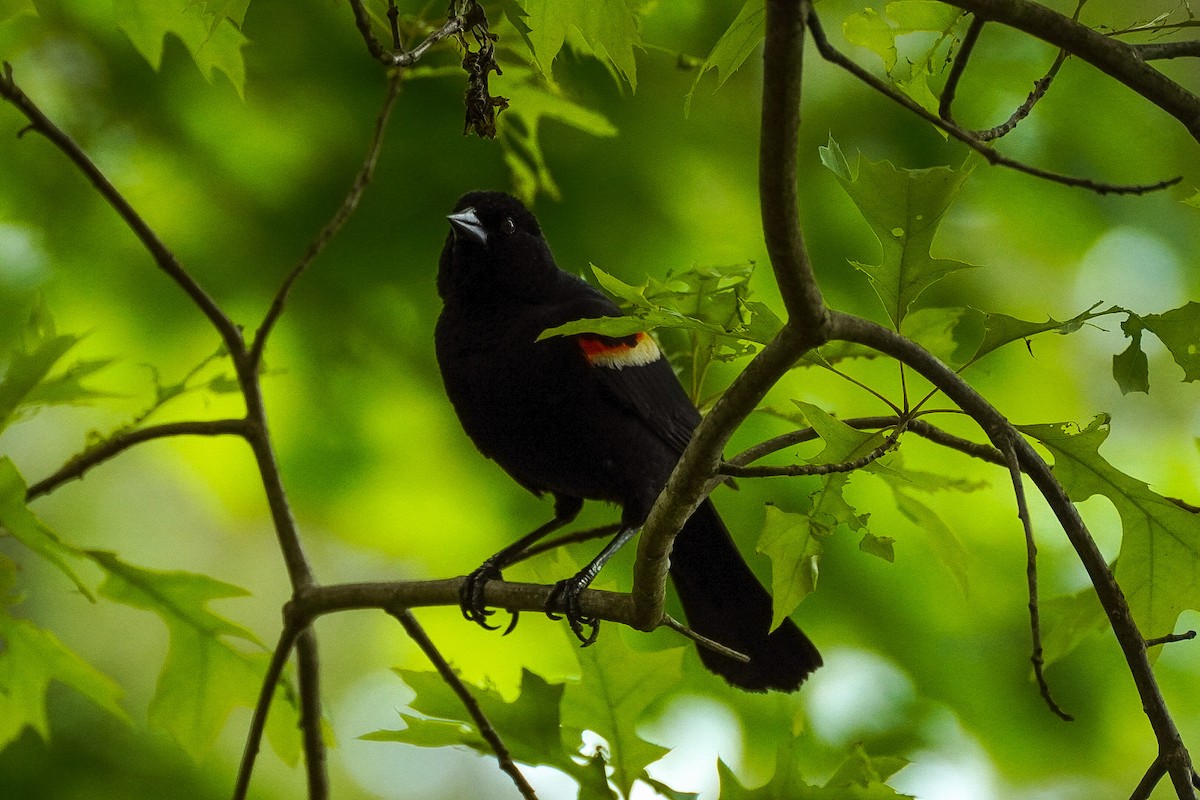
x,y
629,351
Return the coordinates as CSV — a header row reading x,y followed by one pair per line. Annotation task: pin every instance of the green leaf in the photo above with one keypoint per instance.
x,y
904,208
608,27
1068,620
793,543
862,770
13,8
946,546
735,45
204,678
214,42
30,660
519,128
1130,368
1001,329
1179,330
879,34
1159,563
17,519
616,686
666,791
879,546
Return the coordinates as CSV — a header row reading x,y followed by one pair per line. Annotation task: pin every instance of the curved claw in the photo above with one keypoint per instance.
x,y
470,597
566,594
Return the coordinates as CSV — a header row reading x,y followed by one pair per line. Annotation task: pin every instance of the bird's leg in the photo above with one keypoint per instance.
x,y
470,595
565,596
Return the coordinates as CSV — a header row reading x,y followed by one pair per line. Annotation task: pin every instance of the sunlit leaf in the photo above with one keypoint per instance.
x,y
531,102
1068,620
25,527
878,34
607,26
214,43
1130,368
1179,330
32,658
904,208
615,688
878,546
743,36
793,543
1159,563
1001,329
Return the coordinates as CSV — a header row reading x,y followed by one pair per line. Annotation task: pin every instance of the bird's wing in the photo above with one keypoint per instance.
x,y
633,373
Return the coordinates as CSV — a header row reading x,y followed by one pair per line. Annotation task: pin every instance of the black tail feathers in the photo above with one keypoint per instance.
x,y
724,601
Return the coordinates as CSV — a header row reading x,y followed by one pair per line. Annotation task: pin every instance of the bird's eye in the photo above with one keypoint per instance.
x,y
508,226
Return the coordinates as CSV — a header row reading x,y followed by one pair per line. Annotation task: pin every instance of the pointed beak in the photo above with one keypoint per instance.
x,y
466,223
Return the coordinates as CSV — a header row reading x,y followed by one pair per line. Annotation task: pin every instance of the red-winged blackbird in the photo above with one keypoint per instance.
x,y
587,417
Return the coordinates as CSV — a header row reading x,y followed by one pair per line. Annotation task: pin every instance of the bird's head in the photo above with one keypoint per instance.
x,y
495,247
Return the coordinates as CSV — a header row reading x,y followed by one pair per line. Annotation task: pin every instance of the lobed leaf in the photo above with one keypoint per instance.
x,y
904,208
616,687
26,528
214,42
1159,563
32,658
204,677
743,36
608,27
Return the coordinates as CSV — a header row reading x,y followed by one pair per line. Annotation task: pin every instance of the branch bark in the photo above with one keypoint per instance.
x,y
1121,61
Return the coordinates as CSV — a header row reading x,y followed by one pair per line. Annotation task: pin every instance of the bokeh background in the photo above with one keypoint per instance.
x,y
386,487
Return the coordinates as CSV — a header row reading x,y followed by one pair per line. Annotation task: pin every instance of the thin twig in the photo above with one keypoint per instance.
x,y
399,57
1040,87
1154,774
79,464
1151,51
308,674
482,723
794,470
335,224
163,257
835,56
1171,637
393,14
287,640
946,103
1031,576
704,641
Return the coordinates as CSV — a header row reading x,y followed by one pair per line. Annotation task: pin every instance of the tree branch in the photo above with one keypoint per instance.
x,y
308,671
80,463
166,261
998,429
1035,624
1117,59
793,470
482,723
258,723
946,102
334,225
835,56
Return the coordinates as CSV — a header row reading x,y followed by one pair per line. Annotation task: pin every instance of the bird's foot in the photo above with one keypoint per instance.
x,y
470,598
564,597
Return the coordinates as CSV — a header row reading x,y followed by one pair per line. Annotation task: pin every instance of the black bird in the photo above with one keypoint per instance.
x,y
587,417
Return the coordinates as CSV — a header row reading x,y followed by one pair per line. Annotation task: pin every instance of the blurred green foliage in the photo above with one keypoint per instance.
x,y
235,128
